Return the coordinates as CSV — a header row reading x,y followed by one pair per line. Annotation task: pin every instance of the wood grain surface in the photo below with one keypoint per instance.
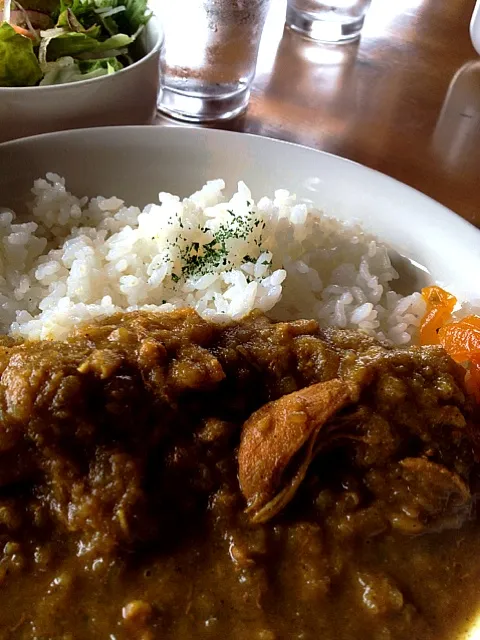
x,y
404,100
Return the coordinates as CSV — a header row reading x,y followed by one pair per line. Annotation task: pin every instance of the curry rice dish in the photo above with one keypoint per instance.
x,y
171,473
162,476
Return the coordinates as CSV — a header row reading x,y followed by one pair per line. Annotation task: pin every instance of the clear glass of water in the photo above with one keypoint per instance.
x,y
209,58
333,21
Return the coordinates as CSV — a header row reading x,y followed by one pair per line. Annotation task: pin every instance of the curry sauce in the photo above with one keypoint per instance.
x,y
165,477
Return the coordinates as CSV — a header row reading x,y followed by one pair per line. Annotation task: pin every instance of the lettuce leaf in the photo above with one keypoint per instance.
x,y
67,69
84,11
19,66
68,20
74,44
134,16
134,13
110,64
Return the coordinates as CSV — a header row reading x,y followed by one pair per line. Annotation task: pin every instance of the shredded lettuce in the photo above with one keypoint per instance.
x,y
7,9
19,65
68,20
67,69
110,64
74,43
86,31
133,15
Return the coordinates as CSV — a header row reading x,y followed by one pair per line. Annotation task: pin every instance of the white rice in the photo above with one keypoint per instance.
x,y
78,259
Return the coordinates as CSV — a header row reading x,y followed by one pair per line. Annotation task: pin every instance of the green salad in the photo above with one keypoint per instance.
x,y
45,42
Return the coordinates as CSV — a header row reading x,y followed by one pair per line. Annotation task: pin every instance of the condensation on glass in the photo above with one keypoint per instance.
x,y
210,55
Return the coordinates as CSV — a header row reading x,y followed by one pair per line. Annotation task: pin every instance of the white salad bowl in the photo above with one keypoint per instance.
x,y
127,97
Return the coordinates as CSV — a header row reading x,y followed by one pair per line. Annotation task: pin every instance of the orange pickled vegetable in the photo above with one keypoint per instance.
x,y
461,340
440,305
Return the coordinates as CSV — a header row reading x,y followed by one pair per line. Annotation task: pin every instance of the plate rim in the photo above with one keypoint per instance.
x,y
214,132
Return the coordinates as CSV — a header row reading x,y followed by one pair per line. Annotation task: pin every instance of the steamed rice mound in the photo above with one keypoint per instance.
x,y
76,259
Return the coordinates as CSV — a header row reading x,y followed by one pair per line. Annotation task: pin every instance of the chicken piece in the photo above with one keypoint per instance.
x,y
278,443
404,403
420,495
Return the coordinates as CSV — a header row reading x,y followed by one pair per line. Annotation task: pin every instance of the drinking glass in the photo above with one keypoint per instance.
x,y
209,58
331,21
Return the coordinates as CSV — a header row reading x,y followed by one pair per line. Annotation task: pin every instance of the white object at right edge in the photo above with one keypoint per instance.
x,y
475,27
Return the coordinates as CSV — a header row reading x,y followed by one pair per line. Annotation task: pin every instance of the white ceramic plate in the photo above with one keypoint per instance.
x,y
135,163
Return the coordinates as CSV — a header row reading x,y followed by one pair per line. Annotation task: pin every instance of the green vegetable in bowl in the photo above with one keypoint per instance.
x,y
77,44
19,66
67,69
56,41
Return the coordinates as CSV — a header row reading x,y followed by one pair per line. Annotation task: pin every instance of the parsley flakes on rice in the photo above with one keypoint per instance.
x,y
77,259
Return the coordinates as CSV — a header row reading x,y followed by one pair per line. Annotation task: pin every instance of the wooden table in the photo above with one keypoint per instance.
x,y
404,100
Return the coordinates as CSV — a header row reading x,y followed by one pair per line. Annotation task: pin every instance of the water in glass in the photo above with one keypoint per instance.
x,y
210,55
329,21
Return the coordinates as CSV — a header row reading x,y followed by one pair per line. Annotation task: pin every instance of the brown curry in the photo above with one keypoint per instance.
x,y
164,477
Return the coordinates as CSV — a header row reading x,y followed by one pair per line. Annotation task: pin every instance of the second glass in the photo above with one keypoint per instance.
x,y
331,21
210,56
